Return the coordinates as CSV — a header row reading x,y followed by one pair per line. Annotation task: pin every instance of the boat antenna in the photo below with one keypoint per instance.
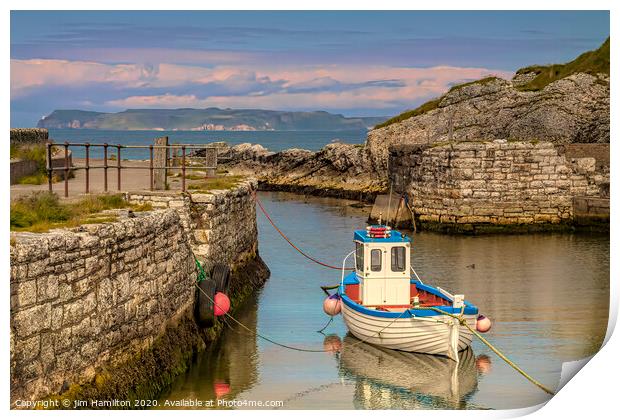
x,y
389,206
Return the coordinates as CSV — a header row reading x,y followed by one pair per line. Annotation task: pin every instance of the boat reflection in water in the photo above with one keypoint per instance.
x,y
386,378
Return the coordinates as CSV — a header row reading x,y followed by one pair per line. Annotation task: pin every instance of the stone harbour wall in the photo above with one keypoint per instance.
x,y
29,135
222,223
473,186
83,299
106,310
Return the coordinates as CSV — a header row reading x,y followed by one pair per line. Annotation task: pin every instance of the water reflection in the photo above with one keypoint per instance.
x,y
547,295
393,379
226,369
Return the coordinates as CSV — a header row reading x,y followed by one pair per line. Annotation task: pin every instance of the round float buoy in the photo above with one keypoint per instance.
x,y
222,304
221,389
332,343
332,305
483,364
483,324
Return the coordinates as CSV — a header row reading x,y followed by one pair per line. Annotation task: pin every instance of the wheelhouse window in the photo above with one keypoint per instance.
x,y
375,260
398,258
359,256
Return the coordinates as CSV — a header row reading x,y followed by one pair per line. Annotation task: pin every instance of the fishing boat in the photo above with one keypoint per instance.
x,y
385,303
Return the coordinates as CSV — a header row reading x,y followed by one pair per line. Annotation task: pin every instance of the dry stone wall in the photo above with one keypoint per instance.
x,y
81,299
469,184
222,223
29,135
87,298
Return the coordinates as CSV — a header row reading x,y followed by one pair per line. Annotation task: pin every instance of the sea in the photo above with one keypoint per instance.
x,y
272,140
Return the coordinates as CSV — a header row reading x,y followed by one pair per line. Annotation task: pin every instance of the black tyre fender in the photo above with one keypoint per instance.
x,y
205,316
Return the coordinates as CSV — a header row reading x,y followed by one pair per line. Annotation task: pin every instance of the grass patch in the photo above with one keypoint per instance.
x,y
216,183
484,81
35,152
142,207
43,211
591,62
194,177
34,179
426,107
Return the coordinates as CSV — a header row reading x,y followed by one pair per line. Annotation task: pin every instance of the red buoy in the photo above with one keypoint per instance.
x,y
221,388
222,304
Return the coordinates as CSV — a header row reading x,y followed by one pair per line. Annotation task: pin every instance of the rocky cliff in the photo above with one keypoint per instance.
x,y
567,103
561,103
338,169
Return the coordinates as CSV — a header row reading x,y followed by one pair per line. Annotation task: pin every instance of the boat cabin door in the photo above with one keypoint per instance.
x,y
386,274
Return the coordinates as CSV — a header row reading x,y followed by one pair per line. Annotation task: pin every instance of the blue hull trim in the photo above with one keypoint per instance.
x,y
410,313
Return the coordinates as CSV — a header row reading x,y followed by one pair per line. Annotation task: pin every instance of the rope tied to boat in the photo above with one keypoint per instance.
x,y
461,319
260,205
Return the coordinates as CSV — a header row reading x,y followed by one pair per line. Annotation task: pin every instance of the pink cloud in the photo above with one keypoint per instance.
x,y
328,87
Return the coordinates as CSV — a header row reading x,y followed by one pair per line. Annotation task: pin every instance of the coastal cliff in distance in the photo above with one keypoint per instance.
x,y
560,103
209,119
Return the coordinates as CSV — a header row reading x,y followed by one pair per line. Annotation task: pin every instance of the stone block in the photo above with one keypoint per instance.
x,y
26,293
47,288
33,320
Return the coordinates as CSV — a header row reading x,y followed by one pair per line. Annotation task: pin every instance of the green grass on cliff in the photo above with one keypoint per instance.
x,y
484,81
432,104
591,62
43,211
428,106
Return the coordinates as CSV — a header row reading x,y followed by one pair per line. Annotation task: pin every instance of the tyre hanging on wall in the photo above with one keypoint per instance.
x,y
204,299
204,306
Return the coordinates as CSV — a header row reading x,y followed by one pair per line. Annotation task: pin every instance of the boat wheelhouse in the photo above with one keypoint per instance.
x,y
382,304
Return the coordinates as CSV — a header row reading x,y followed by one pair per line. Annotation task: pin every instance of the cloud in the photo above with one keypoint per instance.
x,y
328,92
27,75
166,85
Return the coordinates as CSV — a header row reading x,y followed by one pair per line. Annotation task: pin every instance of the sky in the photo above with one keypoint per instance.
x,y
354,63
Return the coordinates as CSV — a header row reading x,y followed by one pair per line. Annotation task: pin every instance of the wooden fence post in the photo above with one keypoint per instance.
x,y
160,160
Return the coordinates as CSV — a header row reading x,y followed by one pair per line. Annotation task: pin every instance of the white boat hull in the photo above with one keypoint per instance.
x,y
439,335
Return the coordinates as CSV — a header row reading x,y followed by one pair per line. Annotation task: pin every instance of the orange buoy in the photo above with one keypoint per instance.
x,y
222,304
483,324
332,305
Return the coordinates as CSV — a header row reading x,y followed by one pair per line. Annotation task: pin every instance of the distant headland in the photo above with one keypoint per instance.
x,y
208,119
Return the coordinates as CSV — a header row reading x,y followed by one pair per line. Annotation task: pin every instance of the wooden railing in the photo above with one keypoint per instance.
x,y
154,168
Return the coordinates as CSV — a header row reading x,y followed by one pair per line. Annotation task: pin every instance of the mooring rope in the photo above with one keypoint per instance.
x,y
256,332
512,364
260,205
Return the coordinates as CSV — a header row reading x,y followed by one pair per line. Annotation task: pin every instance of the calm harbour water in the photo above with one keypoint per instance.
x,y
547,294
272,140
